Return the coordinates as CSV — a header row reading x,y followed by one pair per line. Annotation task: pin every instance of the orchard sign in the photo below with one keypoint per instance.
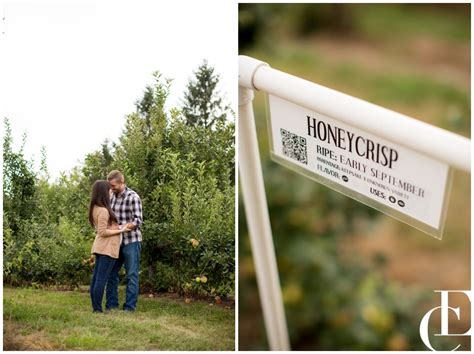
x,y
383,174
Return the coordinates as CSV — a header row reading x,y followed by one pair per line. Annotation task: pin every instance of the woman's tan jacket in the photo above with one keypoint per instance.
x,y
105,245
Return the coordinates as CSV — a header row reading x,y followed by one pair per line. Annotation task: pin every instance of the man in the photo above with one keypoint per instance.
x,y
127,207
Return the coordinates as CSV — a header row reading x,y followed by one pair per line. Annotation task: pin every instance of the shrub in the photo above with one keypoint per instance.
x,y
46,253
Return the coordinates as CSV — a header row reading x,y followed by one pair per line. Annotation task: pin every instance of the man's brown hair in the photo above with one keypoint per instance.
x,y
116,175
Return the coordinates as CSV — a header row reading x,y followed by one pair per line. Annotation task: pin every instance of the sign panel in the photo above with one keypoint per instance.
x,y
385,175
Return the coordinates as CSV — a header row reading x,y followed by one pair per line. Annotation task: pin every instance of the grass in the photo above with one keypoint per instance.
x,y
394,20
50,320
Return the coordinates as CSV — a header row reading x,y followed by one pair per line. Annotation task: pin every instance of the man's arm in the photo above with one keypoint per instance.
x,y
136,208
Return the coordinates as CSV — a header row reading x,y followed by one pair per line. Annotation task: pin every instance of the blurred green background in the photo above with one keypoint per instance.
x,y
353,278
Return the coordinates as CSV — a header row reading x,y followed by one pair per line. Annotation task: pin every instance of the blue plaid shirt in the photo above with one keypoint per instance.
x,y
127,207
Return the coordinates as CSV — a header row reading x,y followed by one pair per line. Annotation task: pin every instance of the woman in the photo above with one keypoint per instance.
x,y
107,241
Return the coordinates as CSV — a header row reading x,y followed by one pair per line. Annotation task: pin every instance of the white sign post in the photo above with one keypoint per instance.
x,y
258,222
390,161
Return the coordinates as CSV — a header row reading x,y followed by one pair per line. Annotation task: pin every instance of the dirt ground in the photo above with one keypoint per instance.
x,y
14,340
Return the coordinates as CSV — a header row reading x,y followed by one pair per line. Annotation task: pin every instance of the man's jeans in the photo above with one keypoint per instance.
x,y
102,270
130,257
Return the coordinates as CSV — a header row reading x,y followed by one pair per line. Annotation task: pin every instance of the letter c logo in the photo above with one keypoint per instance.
x,y
444,318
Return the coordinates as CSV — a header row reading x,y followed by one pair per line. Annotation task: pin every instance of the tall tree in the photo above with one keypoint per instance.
x,y
146,102
202,104
98,163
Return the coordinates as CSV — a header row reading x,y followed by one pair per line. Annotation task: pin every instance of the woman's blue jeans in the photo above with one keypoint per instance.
x,y
102,269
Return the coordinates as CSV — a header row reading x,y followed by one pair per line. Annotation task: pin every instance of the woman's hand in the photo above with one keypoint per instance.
x,y
125,228
122,228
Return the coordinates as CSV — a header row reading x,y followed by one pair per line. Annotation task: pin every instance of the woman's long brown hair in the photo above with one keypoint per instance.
x,y
100,197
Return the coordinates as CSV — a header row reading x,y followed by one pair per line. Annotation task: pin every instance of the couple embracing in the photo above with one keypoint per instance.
x,y
116,214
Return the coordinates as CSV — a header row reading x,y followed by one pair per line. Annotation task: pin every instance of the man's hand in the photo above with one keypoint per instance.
x,y
130,226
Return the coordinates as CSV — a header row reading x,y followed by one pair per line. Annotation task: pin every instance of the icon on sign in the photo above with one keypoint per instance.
x,y
392,199
345,178
401,203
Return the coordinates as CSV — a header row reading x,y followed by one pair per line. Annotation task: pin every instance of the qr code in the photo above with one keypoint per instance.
x,y
294,146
